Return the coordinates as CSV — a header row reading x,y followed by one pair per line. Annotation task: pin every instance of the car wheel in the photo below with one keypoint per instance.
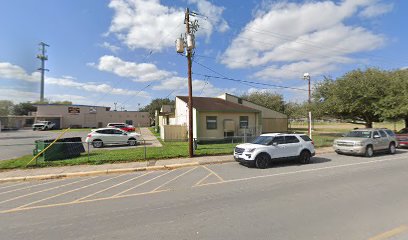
x,y
132,142
369,151
262,161
304,157
391,148
97,144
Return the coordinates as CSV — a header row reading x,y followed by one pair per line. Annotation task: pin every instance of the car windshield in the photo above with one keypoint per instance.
x,y
359,134
263,140
403,131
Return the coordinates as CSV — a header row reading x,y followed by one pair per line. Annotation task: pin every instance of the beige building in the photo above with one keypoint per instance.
x,y
78,116
218,118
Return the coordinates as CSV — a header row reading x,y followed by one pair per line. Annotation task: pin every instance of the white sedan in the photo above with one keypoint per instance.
x,y
107,136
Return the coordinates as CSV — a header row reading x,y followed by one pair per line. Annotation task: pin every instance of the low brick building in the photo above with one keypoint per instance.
x,y
77,116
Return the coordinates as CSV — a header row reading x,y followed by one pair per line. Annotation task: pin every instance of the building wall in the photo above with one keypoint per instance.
x,y
266,112
271,125
212,134
88,116
173,133
271,121
181,112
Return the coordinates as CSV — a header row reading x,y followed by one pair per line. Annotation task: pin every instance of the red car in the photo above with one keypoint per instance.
x,y
402,136
123,126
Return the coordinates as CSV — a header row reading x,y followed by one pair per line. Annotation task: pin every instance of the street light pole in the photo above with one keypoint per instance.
x,y
306,76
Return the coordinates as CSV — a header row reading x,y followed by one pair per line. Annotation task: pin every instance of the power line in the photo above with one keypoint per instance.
x,y
148,55
148,85
240,80
251,82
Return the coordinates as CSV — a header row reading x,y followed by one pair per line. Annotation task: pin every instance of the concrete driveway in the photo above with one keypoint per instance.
x,y
14,144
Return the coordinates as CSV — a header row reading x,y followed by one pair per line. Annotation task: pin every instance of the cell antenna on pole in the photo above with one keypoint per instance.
x,y
43,58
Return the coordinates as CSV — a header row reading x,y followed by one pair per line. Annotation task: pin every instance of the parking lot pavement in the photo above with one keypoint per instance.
x,y
14,144
16,197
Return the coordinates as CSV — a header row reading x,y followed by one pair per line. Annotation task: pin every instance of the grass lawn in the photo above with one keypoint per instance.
x,y
323,136
72,130
169,150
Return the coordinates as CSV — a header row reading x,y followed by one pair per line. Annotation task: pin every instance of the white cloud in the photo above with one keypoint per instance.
x,y
67,97
287,39
18,96
10,71
179,86
151,25
140,72
110,47
93,87
376,10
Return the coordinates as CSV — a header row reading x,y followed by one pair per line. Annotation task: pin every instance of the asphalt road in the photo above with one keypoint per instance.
x,y
14,144
335,197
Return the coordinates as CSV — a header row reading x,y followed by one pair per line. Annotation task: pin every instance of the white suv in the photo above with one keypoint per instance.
x,y
270,146
108,136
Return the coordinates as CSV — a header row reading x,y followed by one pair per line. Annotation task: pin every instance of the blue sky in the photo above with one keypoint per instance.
x,y
123,51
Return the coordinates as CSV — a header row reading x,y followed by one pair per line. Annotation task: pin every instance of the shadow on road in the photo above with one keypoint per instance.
x,y
294,162
291,162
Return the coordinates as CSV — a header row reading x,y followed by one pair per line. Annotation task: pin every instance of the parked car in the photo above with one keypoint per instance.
x,y
43,125
366,142
402,136
109,136
123,126
271,146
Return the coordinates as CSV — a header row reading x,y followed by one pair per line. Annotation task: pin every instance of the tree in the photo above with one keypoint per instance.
x,y
6,107
266,99
295,110
24,108
156,104
354,96
394,105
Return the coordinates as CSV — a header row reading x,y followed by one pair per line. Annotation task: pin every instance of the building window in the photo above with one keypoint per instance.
x,y
129,122
243,122
211,122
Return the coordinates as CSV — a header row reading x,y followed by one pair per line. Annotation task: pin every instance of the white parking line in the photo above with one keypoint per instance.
x,y
63,193
202,179
127,190
116,185
174,178
302,171
13,185
211,171
19,189
45,190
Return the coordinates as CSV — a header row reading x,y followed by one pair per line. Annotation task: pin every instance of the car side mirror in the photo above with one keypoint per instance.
x,y
376,136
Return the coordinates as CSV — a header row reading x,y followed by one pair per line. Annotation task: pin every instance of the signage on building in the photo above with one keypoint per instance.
x,y
74,110
92,110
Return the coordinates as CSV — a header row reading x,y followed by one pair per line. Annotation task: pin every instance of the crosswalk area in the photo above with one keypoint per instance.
x,y
40,194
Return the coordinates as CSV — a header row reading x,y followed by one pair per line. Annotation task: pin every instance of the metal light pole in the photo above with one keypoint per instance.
x,y
43,58
306,76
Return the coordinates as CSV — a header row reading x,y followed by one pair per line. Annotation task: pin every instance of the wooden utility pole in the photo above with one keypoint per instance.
x,y
190,89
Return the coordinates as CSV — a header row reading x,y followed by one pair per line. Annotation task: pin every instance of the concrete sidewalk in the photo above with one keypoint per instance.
x,y
87,170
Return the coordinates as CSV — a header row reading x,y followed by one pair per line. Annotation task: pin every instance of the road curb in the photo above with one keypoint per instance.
x,y
120,170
